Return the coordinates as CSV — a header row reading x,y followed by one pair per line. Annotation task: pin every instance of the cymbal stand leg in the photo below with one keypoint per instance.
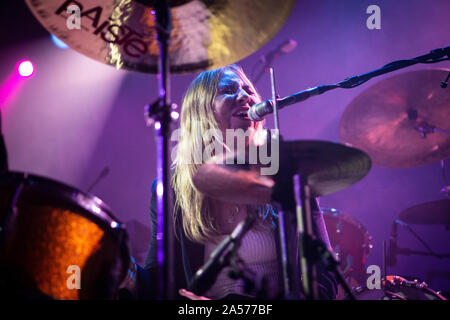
x,y
327,258
284,255
311,249
308,267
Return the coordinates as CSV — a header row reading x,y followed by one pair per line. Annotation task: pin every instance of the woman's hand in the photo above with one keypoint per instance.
x,y
190,295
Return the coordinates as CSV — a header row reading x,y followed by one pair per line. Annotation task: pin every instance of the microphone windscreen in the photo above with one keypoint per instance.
x,y
288,46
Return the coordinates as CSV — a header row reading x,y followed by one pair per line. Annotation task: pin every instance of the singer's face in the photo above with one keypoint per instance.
x,y
234,98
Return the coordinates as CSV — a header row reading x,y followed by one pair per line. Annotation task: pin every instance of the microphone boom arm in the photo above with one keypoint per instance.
x,y
260,110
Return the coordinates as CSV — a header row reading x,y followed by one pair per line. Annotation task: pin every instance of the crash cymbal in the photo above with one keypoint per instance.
x,y
434,212
328,167
205,34
386,120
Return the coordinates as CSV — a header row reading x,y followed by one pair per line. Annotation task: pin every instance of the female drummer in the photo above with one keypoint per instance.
x,y
216,102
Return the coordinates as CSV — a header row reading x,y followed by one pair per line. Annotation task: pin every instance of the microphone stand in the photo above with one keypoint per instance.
x,y
266,107
270,57
309,250
302,190
267,63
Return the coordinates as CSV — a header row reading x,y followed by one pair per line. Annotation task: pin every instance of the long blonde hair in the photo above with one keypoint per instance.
x,y
197,118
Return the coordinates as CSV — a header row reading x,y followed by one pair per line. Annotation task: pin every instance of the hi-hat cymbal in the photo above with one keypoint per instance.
x,y
386,120
328,167
434,212
205,34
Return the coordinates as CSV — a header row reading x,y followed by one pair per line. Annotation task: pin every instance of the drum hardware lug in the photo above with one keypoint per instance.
x,y
155,113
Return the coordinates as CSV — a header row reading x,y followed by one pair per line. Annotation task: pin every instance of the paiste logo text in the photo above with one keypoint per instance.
x,y
94,21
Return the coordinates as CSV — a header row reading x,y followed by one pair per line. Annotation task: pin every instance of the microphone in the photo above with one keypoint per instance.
x,y
285,47
258,111
102,174
205,277
391,259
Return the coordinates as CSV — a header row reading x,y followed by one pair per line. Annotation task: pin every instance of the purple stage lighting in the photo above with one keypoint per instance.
x,y
25,68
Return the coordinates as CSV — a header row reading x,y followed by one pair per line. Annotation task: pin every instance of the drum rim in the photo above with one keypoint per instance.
x,y
88,202
90,207
398,284
332,212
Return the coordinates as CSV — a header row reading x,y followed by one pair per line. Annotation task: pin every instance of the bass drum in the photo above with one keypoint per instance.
x,y
350,241
57,242
398,288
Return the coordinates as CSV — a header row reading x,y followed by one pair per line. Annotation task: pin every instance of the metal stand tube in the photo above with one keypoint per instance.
x,y
165,254
306,237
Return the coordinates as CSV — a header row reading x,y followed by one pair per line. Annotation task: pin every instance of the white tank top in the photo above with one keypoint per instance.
x,y
258,251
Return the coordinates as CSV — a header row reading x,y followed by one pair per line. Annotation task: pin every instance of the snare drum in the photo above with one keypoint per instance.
x,y
398,288
58,242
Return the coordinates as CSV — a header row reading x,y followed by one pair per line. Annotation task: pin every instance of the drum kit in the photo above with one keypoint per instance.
x,y
400,122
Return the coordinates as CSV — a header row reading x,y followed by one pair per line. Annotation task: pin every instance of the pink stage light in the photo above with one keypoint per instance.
x,y
25,68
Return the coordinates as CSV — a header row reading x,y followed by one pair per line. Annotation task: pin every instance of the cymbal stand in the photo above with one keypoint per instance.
x,y
291,277
406,251
314,250
299,226
306,237
416,235
300,259
158,114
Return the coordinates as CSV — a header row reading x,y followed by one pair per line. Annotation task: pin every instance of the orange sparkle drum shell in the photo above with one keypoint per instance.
x,y
58,242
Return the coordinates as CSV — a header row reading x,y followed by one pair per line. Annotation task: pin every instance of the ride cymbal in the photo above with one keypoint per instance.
x,y
401,122
434,212
205,34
